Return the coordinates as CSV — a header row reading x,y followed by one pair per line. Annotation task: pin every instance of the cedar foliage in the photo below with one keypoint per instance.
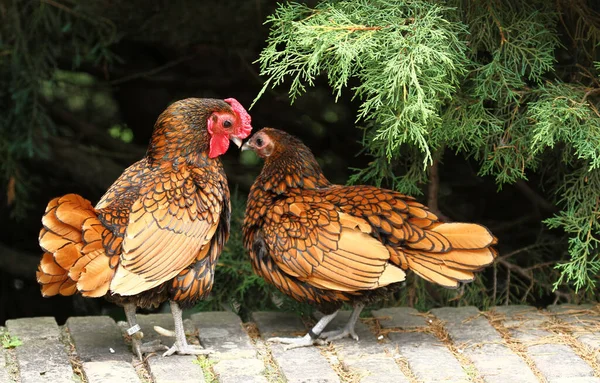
x,y
512,85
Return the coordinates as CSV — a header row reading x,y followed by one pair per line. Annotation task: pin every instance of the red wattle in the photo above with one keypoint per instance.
x,y
218,145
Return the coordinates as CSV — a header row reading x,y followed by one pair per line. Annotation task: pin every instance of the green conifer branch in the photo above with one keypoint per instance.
x,y
408,57
477,79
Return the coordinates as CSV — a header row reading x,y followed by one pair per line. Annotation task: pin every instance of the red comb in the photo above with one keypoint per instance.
x,y
243,115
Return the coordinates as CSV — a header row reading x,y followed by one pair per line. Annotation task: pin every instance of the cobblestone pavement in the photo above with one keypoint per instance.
x,y
506,344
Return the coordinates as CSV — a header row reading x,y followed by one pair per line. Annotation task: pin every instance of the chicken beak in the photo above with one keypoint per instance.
x,y
246,146
237,141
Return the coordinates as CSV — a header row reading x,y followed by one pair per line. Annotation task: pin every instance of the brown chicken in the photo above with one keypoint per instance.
x,y
328,244
157,232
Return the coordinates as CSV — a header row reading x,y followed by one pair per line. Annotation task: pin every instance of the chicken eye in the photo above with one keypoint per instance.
x,y
259,141
227,124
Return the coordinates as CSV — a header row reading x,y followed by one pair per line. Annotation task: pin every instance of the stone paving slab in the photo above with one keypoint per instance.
x,y
400,317
42,356
478,340
223,332
102,350
97,339
557,362
175,368
110,371
366,357
423,351
293,362
235,357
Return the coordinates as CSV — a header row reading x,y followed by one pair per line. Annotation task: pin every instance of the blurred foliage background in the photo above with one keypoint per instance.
x,y
485,110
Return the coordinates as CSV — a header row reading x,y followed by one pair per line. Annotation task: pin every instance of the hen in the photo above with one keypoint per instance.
x,y
157,232
328,244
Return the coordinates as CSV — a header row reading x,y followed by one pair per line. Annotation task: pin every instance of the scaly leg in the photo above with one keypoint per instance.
x,y
309,339
181,345
348,330
136,335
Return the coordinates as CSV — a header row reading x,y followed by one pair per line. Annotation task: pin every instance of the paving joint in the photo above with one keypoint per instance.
x,y
207,364
436,327
76,363
272,370
374,325
403,365
496,320
142,369
346,373
10,359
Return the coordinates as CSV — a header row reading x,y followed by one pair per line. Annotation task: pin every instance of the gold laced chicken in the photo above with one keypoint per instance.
x,y
157,232
328,244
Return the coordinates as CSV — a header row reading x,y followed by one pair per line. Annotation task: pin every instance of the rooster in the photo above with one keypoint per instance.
x,y
157,232
328,244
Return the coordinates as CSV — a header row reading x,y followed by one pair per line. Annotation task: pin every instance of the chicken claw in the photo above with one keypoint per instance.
x,y
310,339
181,345
146,348
348,330
304,341
339,334
187,349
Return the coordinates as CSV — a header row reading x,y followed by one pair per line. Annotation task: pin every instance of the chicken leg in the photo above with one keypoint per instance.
x,y
181,345
348,330
310,339
136,335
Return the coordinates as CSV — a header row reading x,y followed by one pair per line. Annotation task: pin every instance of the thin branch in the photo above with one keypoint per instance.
x,y
153,71
512,224
589,93
495,288
351,28
534,197
95,134
90,169
524,249
528,274
497,22
433,191
19,263
62,7
507,298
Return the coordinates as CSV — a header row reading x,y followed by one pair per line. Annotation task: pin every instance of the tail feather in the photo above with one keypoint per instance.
x,y
67,255
447,253
51,276
49,266
436,273
70,263
466,236
96,279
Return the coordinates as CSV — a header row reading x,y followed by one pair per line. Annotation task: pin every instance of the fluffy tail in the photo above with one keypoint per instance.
x,y
74,258
447,253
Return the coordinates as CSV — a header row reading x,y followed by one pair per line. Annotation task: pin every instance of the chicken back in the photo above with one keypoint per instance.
x,y
157,232
327,244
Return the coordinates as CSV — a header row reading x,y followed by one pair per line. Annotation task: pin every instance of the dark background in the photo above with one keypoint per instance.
x,y
104,114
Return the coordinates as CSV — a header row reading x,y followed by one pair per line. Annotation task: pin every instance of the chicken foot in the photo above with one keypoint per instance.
x,y
348,330
181,345
310,339
136,335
